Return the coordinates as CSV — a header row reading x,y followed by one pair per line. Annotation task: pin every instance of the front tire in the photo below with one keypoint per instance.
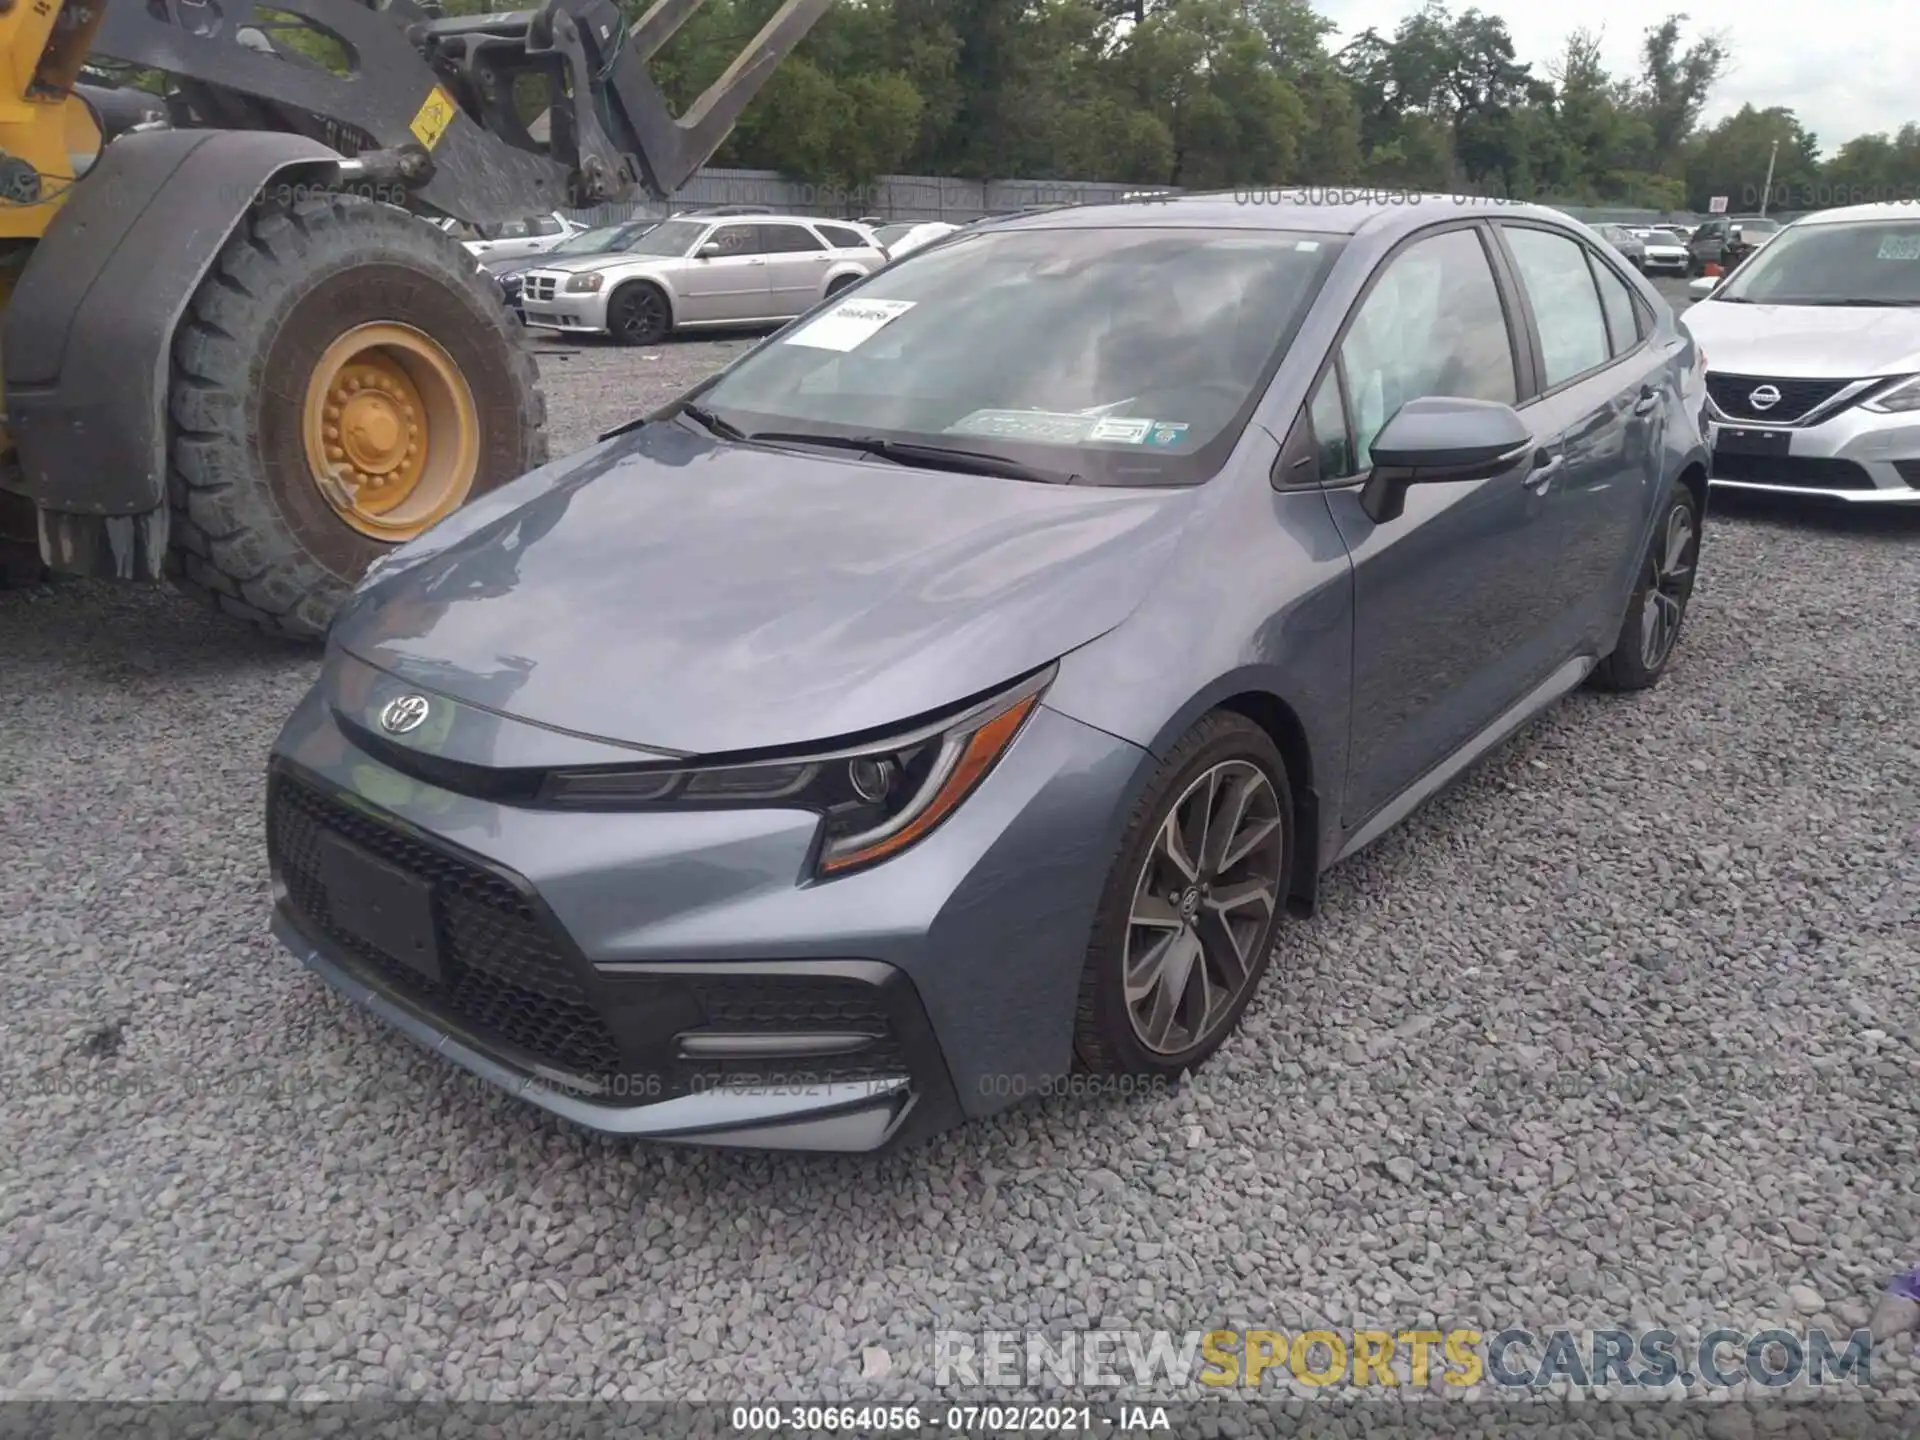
x,y
313,428
1186,924
1651,630
639,314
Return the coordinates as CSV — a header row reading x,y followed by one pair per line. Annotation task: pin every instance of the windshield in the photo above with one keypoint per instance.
x,y
1125,356
604,237
669,237
1864,262
1756,227
887,234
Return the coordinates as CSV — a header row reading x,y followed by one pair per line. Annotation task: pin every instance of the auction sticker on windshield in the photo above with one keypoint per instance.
x,y
850,324
1126,432
1044,425
1900,247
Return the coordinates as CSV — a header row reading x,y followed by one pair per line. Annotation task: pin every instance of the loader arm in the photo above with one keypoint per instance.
x,y
443,90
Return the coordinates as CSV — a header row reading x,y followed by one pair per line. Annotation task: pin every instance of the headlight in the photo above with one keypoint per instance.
x,y
876,799
585,284
1897,401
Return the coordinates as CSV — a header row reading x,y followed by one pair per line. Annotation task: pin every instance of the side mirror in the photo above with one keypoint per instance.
x,y
1704,286
1438,439
710,251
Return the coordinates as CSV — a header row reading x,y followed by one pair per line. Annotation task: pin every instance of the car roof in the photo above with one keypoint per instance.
x,y
1322,211
1883,210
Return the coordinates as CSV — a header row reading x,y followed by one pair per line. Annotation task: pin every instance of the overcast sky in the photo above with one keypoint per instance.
x,y
1845,67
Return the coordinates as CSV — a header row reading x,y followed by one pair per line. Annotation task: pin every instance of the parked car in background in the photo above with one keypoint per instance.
x,y
1728,240
902,239
1630,247
511,239
1662,252
959,689
691,272
1813,349
601,240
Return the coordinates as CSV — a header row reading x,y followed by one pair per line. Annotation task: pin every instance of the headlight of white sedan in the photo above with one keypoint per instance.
x,y
1897,401
585,284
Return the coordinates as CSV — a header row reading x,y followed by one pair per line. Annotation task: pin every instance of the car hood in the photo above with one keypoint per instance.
x,y
666,591
574,264
1814,342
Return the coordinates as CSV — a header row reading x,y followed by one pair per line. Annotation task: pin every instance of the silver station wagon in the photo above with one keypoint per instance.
x,y
702,273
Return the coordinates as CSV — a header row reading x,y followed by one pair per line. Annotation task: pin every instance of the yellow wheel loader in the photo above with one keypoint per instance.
x,y
236,353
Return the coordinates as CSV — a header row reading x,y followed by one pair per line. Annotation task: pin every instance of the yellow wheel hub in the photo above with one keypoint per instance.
x,y
391,429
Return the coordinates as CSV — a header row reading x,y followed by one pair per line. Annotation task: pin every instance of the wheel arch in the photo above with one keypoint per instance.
x,y
1264,706
651,282
88,334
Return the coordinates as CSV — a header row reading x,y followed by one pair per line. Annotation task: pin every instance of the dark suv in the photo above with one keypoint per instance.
x,y
1727,240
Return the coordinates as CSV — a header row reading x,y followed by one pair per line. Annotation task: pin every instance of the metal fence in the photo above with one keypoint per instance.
x,y
930,197
893,197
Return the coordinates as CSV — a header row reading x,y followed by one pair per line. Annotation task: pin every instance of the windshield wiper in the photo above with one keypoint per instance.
x,y
725,429
928,457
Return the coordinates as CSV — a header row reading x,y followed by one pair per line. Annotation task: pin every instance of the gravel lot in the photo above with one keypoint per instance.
x,y
1625,1029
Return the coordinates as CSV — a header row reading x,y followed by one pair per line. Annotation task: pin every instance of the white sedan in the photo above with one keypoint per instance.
x,y
1666,254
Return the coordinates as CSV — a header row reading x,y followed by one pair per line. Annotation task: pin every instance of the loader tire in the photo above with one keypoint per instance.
x,y
343,379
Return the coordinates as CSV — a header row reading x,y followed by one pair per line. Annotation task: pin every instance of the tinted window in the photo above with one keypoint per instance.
x,y
887,234
1566,307
545,225
1432,325
788,239
843,238
737,240
1333,445
1623,325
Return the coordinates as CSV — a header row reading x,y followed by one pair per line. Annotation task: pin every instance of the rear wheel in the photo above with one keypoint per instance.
x,y
1659,605
841,283
313,429
639,315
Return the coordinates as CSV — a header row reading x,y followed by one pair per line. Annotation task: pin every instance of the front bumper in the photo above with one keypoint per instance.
x,y
674,977
1666,264
546,304
1858,457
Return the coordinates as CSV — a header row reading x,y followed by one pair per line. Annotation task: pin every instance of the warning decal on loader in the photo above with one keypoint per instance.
x,y
433,118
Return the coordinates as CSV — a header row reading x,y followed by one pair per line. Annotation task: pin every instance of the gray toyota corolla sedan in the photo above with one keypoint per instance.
x,y
955,693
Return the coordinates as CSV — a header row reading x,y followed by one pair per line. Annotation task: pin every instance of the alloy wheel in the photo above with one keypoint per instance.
x,y
1666,597
1206,893
642,314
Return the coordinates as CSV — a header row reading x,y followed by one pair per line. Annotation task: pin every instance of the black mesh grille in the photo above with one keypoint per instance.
x,y
504,977
1734,395
1792,470
1909,471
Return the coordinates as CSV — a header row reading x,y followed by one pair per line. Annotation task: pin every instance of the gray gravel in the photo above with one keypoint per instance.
x,y
1624,1029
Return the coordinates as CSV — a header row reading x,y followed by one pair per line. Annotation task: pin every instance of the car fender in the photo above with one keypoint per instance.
x,y
842,269
88,334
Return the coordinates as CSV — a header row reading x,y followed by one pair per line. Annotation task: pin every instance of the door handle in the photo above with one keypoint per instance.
x,y
1648,401
1544,469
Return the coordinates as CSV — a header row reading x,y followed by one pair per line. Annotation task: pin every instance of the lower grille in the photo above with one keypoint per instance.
x,y
797,1005
1909,471
1807,473
504,976
512,984
1733,394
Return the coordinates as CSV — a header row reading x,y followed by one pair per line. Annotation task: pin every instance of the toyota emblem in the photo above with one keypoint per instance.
x,y
404,714
1764,398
